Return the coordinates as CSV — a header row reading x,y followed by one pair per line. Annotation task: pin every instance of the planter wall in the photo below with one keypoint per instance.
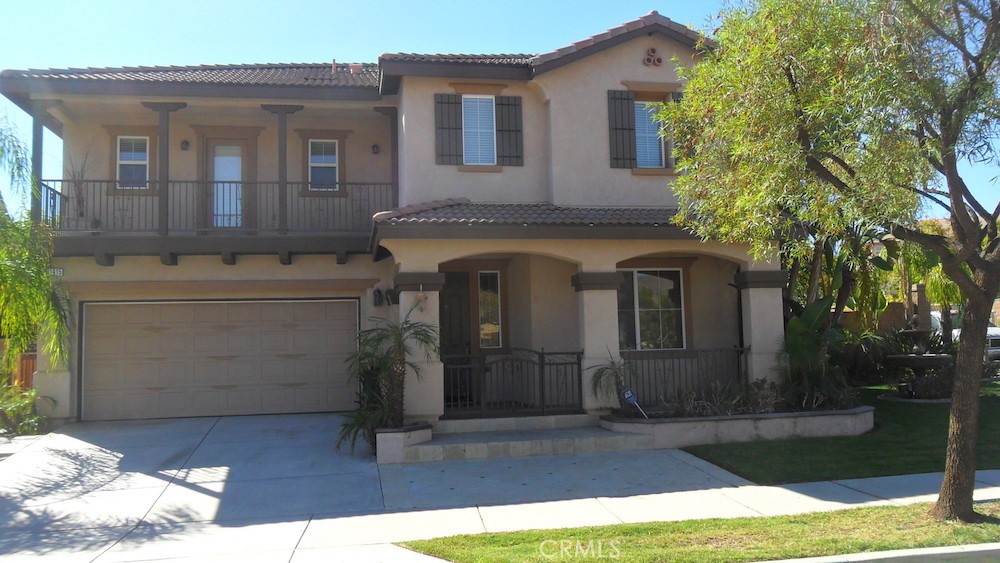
x,y
389,442
683,432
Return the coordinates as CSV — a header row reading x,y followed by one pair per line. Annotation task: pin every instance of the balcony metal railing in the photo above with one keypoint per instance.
x,y
208,207
663,376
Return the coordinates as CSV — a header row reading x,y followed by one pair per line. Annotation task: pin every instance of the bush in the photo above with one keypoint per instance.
x,y
373,409
18,415
725,399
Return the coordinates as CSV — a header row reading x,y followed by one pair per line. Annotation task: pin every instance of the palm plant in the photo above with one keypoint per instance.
x,y
387,347
612,377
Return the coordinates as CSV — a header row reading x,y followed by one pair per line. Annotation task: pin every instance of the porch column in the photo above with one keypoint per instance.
x,y
763,327
597,295
282,112
424,399
163,160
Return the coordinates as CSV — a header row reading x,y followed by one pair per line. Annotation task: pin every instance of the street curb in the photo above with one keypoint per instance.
x,y
974,552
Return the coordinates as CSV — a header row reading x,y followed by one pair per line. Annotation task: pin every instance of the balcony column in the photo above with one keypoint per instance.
x,y
163,172
424,400
38,113
36,167
598,301
282,112
763,324
393,114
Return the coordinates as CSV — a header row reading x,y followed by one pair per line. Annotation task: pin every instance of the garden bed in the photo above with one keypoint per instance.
x,y
694,431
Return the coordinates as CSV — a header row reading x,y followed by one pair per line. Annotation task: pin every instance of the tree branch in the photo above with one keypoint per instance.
x,y
930,23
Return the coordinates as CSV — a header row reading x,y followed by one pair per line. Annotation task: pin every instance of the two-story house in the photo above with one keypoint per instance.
x,y
225,231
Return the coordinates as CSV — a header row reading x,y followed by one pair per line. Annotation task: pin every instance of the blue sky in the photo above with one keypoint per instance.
x,y
68,33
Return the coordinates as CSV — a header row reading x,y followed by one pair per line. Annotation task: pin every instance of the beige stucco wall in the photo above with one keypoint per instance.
x,y
578,112
713,307
421,179
85,137
566,145
205,277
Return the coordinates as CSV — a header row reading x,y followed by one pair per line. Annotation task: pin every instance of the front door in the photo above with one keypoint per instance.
x,y
456,316
227,173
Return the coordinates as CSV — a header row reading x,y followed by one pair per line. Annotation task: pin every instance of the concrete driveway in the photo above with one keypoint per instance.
x,y
273,488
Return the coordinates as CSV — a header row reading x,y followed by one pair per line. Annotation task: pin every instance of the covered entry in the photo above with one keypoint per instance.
x,y
202,358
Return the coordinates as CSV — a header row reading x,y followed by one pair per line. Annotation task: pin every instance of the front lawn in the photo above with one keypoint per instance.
x,y
739,539
908,438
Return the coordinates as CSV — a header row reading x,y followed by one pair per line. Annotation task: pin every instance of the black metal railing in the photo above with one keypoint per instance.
x,y
204,207
52,205
665,376
516,382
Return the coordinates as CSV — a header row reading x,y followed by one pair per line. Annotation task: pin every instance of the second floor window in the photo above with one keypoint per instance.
x,y
323,164
648,144
478,130
133,162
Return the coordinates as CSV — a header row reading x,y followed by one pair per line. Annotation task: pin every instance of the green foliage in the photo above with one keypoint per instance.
x,y
32,308
373,410
861,357
18,415
790,95
811,378
381,363
611,377
727,399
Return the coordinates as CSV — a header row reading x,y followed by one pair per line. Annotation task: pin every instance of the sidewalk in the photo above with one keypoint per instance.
x,y
369,537
235,489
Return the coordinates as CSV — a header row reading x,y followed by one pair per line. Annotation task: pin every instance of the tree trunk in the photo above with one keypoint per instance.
x,y
816,269
843,295
955,499
397,392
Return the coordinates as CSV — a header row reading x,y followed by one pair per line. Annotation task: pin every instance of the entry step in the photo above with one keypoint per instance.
x,y
521,443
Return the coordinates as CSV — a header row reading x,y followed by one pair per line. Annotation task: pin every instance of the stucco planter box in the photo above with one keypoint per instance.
x,y
390,442
694,431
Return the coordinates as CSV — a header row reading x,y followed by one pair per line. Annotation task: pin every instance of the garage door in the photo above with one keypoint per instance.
x,y
157,360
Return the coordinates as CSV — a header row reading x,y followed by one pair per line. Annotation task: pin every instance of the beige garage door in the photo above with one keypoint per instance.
x,y
157,360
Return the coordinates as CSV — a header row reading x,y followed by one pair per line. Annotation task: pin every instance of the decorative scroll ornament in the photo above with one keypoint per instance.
x,y
651,59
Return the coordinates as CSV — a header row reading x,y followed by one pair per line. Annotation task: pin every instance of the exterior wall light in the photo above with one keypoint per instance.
x,y
375,148
185,145
421,298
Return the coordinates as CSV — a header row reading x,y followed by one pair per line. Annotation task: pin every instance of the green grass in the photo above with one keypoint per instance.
x,y
908,438
739,539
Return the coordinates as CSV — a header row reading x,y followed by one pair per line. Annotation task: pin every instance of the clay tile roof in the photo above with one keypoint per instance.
x,y
461,211
504,60
653,18
291,74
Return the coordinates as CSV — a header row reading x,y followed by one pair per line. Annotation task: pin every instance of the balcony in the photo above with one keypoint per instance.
x,y
210,216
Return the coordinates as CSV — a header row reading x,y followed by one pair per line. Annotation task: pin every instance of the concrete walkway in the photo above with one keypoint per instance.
x,y
273,489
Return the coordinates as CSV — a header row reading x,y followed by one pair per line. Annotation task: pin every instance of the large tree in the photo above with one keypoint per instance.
x,y
32,309
839,112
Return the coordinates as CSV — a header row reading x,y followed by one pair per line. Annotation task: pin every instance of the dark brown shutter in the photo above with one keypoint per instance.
x,y
621,127
510,139
448,128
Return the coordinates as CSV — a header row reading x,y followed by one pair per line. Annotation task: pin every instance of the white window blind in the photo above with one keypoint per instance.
x,y
478,130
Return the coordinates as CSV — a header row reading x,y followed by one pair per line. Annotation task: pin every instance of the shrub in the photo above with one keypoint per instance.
x,y
18,415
